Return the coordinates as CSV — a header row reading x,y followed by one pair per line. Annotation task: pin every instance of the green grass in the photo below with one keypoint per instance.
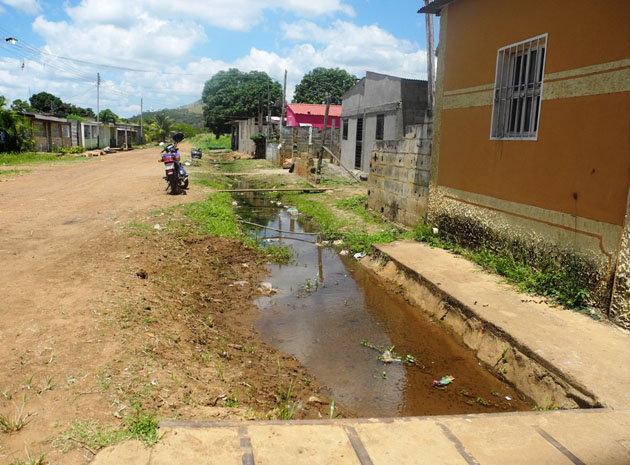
x,y
208,141
33,158
560,282
11,173
246,166
358,206
94,436
30,460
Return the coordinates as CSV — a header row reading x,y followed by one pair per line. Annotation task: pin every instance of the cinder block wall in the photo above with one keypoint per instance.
x,y
400,171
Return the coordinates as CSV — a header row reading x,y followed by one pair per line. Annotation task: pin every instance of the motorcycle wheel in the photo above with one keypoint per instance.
x,y
173,182
185,184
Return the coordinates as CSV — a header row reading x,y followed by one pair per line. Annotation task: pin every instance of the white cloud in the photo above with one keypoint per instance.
x,y
27,6
240,15
133,35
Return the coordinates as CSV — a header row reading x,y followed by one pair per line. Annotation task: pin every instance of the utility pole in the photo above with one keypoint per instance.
x,y
268,110
284,100
321,149
430,58
141,123
98,110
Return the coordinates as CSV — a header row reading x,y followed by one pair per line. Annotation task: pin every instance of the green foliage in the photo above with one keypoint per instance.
x,y
181,115
107,116
215,216
46,103
208,141
358,206
71,150
259,138
321,83
15,130
142,427
50,104
562,281
30,158
187,130
233,94
20,106
163,124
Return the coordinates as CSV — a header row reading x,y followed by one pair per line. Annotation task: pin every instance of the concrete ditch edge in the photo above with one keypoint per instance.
x,y
540,380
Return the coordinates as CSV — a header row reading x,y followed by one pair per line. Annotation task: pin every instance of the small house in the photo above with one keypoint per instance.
x,y
378,107
306,114
50,133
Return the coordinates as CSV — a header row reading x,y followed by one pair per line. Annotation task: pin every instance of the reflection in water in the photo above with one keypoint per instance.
x,y
328,304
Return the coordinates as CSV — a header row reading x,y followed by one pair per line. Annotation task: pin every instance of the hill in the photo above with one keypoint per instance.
x,y
191,115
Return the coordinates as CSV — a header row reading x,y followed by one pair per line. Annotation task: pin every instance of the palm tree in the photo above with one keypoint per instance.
x,y
163,123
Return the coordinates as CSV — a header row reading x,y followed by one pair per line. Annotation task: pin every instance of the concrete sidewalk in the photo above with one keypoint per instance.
x,y
592,356
590,437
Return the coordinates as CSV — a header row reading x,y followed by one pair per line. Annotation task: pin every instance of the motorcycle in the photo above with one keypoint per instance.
x,y
176,176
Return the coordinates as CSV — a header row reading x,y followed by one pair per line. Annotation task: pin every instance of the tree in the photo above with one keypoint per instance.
x,y
107,116
47,103
318,84
20,106
163,124
233,94
15,130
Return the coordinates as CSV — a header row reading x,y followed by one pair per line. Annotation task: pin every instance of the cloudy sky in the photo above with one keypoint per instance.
x,y
164,50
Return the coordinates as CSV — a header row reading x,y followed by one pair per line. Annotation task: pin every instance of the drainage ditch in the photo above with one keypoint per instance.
x,y
338,319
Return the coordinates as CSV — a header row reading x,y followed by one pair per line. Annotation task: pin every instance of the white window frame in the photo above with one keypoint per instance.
x,y
506,94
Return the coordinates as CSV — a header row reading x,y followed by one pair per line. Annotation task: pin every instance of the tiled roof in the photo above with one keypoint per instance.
x,y
315,110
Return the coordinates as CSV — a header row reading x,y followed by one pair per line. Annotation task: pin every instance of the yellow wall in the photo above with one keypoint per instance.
x,y
580,164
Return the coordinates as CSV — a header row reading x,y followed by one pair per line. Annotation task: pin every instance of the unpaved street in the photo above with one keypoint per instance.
x,y
72,345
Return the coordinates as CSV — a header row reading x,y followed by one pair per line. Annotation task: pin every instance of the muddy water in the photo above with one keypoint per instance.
x,y
328,304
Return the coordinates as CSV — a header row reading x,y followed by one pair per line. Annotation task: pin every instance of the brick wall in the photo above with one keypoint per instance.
x,y
400,170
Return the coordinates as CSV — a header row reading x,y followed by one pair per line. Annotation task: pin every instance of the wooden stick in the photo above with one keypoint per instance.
x,y
292,189
278,230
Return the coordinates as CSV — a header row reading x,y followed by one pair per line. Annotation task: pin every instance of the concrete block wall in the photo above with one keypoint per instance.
x,y
400,171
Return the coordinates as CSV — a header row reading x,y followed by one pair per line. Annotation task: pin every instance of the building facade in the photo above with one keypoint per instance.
x,y
531,142
305,114
50,133
378,107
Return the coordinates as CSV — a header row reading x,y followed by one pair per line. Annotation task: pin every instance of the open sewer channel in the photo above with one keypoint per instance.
x,y
328,304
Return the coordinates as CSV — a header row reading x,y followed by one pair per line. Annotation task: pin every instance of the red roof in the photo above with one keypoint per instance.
x,y
315,110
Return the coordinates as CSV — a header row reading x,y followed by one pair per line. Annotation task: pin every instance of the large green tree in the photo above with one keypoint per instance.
x,y
47,103
233,94
320,83
15,130
20,106
107,116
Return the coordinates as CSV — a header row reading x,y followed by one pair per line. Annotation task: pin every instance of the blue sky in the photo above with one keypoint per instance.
x,y
170,48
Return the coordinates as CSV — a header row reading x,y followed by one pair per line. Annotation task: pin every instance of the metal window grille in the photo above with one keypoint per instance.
x,y
518,89
345,129
380,127
358,150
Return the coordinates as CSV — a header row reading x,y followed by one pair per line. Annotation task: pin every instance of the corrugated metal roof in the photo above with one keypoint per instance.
x,y
314,110
434,7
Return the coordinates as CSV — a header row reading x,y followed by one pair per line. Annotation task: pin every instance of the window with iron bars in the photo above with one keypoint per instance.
x,y
518,90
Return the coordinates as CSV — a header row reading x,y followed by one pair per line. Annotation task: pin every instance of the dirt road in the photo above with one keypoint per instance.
x,y
69,271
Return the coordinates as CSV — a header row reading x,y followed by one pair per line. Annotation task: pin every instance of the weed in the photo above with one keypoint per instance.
x,y
546,405
481,401
6,394
30,460
28,383
561,280
287,408
143,427
208,141
231,401
8,425
48,386
33,158
331,414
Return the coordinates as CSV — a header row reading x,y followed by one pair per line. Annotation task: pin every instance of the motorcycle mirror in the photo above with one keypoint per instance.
x,y
161,144
178,137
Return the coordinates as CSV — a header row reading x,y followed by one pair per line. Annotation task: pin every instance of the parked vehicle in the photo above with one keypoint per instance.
x,y
175,175
195,154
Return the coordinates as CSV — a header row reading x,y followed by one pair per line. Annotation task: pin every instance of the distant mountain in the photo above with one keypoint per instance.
x,y
191,114
196,107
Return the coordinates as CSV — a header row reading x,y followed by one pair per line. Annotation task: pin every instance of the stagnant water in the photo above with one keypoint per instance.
x,y
328,304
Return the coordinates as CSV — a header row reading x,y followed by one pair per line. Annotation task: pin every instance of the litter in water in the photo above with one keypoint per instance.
x,y
359,256
293,211
343,253
445,381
